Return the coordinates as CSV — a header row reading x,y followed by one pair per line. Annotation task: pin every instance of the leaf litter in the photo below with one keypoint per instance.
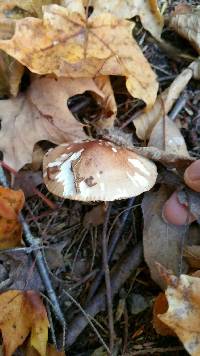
x,y
77,50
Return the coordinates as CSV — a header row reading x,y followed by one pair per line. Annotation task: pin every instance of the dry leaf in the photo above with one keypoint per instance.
x,y
147,120
51,351
166,136
190,198
95,217
183,315
187,24
72,45
147,10
11,73
108,103
192,255
20,314
161,241
40,114
11,203
160,307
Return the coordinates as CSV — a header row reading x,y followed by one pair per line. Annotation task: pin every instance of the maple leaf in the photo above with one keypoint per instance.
x,y
69,44
22,313
11,203
147,10
40,114
183,314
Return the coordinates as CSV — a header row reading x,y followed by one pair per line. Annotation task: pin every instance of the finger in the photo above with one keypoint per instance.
x,y
176,213
192,176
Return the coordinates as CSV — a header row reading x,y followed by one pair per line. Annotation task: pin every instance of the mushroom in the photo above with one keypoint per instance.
x,y
97,171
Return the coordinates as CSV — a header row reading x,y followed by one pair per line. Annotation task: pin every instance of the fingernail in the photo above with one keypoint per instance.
x,y
176,213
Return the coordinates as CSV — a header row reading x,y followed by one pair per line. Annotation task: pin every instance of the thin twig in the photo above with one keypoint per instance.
x,y
107,280
180,103
88,318
111,247
125,267
34,243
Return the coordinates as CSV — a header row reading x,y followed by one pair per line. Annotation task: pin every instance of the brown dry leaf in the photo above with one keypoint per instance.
x,y
147,10
147,120
187,24
11,203
72,45
166,136
162,241
95,217
192,255
11,73
40,114
20,314
183,315
160,307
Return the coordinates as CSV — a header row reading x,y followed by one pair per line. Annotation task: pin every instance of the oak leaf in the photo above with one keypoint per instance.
x,y
69,44
11,203
40,114
183,314
22,313
147,10
145,122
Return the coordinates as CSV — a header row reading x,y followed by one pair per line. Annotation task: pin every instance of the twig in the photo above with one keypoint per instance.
x,y
119,275
87,317
107,280
34,243
154,350
182,100
111,247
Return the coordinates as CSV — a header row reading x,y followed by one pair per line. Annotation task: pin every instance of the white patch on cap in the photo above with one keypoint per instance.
x,y
132,178
102,186
142,181
114,149
66,177
136,163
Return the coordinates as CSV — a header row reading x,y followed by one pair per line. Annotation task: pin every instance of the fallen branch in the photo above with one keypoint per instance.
x,y
119,275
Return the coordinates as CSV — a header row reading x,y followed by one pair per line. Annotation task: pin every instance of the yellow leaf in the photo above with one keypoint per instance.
x,y
33,7
20,314
183,314
11,202
70,44
147,10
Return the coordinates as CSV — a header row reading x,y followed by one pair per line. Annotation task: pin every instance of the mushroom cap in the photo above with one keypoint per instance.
x,y
97,171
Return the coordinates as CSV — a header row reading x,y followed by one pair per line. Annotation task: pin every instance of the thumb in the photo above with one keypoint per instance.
x,y
192,176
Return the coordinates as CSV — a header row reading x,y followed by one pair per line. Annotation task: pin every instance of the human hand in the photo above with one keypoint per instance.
x,y
173,211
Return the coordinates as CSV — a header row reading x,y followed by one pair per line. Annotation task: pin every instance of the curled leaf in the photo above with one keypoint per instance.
x,y
187,24
145,122
147,10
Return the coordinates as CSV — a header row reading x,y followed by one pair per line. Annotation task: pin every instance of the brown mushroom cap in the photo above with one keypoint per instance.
x,y
97,170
